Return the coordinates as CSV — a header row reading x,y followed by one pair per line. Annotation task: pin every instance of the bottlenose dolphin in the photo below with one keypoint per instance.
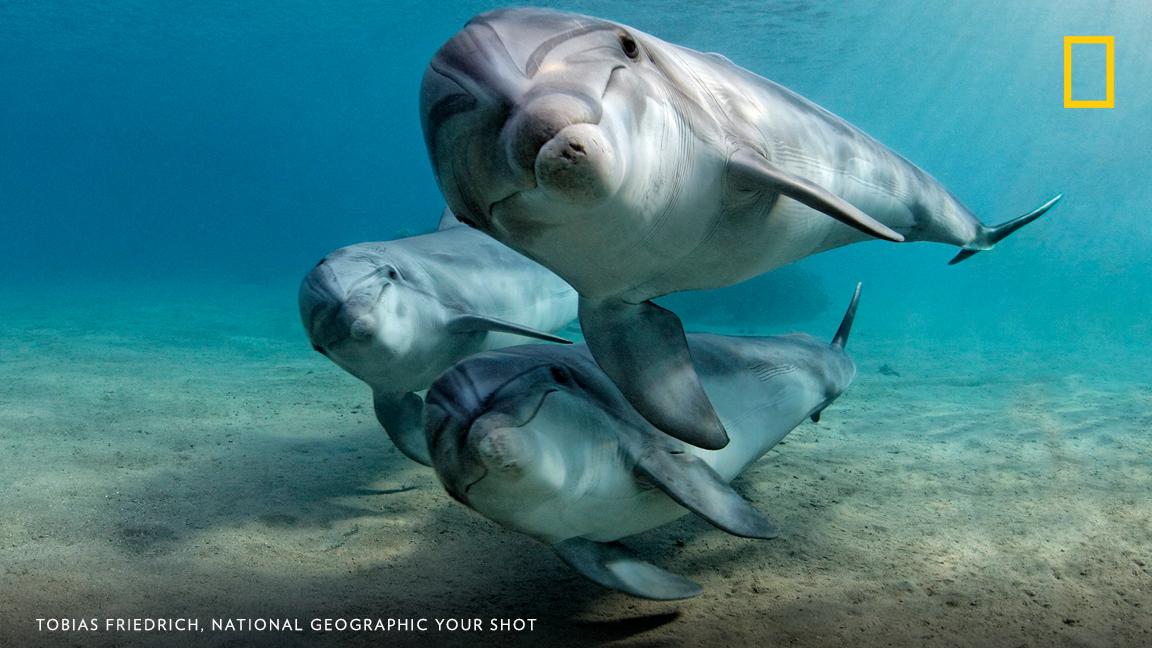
x,y
397,313
538,439
633,168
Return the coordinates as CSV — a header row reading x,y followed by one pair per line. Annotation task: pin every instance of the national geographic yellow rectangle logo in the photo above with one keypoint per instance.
x,y
1109,43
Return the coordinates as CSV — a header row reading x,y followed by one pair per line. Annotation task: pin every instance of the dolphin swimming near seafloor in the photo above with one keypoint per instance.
x,y
633,168
538,439
397,313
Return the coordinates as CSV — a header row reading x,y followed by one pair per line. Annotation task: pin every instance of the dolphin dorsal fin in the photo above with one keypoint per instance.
x,y
448,220
840,340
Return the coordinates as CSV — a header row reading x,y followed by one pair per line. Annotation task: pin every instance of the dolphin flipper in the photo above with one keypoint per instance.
x,y
750,168
402,416
474,323
697,487
615,566
643,350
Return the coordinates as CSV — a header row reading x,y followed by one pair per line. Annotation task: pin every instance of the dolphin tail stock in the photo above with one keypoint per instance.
x,y
402,416
989,236
840,340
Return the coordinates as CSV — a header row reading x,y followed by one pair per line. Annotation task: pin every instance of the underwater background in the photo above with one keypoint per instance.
x,y
170,171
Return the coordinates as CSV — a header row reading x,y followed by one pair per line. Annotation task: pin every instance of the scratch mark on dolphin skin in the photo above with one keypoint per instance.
x,y
766,371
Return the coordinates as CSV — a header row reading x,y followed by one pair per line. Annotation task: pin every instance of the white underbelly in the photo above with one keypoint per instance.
x,y
613,507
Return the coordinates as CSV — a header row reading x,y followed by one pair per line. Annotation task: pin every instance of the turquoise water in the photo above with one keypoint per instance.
x,y
181,142
169,172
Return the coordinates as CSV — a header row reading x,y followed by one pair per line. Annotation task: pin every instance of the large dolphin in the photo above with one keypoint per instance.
x,y
633,168
397,313
538,439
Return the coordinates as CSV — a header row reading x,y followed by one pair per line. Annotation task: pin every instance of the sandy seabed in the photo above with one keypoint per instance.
x,y
184,454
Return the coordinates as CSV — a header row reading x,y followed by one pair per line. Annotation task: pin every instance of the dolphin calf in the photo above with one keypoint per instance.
x,y
633,168
397,313
538,439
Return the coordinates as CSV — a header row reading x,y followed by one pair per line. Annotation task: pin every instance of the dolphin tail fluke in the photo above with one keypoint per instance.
x,y
989,236
840,340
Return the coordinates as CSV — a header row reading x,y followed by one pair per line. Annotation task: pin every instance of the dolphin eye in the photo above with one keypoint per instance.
x,y
558,374
393,273
628,44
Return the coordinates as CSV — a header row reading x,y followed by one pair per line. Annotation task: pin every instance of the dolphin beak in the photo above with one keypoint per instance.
x,y
498,439
498,444
468,441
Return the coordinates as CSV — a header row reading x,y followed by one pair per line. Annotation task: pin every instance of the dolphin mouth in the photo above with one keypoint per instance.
x,y
472,483
500,203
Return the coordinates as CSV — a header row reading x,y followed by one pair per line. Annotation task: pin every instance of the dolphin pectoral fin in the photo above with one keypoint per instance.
x,y
748,167
615,566
402,416
475,323
643,350
989,236
697,487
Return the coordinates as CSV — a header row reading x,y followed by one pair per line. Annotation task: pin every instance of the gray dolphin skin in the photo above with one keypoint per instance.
x,y
397,313
538,439
634,168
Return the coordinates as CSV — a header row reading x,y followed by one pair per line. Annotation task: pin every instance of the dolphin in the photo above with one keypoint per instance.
x,y
539,440
397,313
633,168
